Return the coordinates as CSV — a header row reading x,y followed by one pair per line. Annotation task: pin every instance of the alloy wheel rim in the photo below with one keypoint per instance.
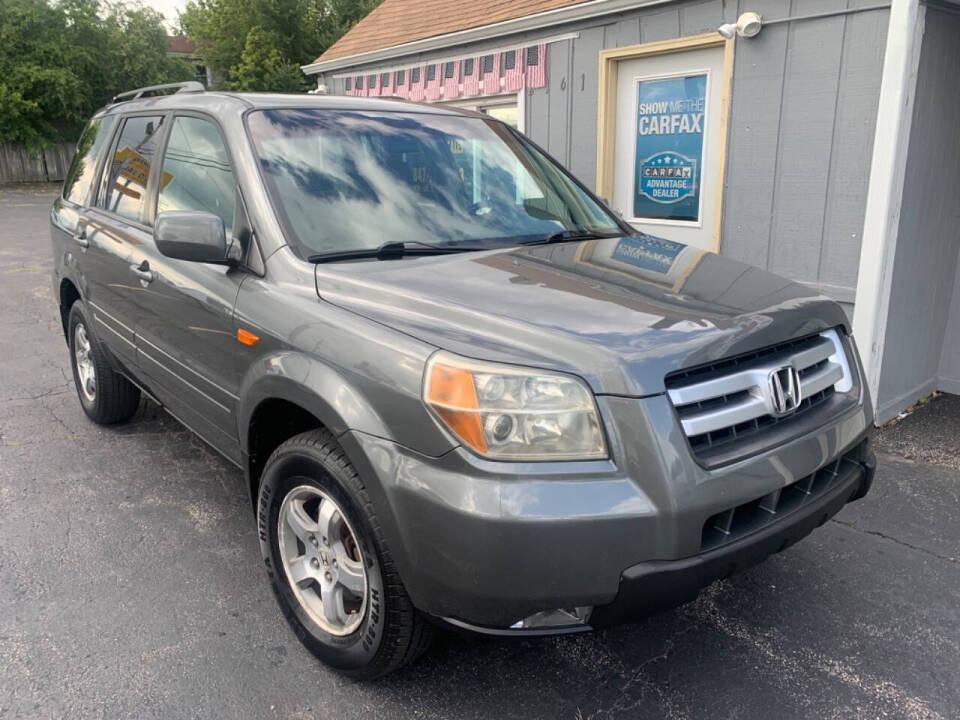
x,y
86,373
322,560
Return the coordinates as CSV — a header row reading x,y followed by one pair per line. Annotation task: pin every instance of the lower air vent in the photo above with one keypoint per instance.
x,y
735,522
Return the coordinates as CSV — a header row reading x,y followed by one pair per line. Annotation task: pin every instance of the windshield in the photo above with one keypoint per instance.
x,y
348,180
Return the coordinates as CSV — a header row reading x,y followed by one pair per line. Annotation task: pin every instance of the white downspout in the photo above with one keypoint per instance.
x,y
882,218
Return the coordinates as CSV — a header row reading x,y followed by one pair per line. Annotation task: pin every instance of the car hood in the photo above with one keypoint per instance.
x,y
620,312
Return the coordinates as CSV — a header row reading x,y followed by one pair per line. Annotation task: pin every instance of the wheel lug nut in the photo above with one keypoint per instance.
x,y
313,540
329,577
314,562
326,542
334,562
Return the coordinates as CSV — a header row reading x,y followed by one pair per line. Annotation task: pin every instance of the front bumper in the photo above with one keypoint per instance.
x,y
650,587
486,544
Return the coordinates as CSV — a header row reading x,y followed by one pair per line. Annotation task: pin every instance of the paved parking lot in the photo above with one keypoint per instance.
x,y
131,586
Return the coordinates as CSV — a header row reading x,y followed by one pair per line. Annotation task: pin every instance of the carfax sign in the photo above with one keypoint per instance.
x,y
669,150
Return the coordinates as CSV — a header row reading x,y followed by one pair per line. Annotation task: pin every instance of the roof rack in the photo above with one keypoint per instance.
x,y
190,86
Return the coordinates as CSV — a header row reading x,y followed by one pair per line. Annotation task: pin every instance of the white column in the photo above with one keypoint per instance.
x,y
882,219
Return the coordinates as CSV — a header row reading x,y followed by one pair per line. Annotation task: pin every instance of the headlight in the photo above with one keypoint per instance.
x,y
510,413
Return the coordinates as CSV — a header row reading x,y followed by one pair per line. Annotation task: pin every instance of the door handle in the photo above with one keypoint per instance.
x,y
144,272
81,238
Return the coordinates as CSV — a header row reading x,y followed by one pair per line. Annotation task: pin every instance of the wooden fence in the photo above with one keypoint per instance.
x,y
17,165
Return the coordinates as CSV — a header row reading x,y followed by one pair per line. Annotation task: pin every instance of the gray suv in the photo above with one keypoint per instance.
x,y
463,392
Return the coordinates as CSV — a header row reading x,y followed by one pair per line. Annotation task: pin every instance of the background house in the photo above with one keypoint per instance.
x,y
182,47
822,147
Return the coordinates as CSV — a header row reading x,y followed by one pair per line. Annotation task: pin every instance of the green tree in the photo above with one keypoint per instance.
x,y
335,17
60,61
257,44
262,66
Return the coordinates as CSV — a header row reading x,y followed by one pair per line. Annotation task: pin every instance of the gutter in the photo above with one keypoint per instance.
x,y
537,21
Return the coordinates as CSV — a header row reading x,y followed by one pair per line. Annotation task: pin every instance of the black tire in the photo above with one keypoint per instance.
x,y
115,398
392,632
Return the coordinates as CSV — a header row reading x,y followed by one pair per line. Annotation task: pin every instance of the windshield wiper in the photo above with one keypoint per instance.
x,y
390,250
571,236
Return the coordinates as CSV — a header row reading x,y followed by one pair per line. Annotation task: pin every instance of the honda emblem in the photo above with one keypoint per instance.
x,y
784,390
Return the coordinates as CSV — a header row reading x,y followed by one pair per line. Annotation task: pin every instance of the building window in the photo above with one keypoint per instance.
x,y
359,82
349,84
502,108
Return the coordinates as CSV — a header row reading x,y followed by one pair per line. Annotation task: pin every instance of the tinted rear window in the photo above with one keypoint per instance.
x,y
81,176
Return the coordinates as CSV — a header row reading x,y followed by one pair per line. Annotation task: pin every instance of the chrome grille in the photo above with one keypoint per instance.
x,y
729,400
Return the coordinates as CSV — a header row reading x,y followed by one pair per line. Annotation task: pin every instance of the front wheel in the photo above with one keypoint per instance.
x,y
328,564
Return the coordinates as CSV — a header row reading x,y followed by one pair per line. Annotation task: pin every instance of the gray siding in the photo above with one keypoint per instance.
x,y
925,263
802,120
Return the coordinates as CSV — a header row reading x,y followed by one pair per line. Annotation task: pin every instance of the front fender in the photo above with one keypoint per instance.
x,y
314,386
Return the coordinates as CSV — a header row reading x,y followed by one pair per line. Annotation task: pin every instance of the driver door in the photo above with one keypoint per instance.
x,y
187,340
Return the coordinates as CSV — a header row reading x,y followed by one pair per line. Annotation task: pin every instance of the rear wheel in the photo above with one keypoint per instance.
x,y
328,564
107,396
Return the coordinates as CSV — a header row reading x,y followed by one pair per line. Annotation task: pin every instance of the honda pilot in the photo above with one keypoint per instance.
x,y
462,390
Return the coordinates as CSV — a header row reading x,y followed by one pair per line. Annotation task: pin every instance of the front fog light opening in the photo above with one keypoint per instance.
x,y
555,619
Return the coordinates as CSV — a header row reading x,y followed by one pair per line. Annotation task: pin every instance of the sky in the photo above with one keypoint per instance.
x,y
169,9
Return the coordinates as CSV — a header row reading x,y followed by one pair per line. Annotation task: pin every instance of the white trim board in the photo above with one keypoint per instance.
x,y
887,170
527,23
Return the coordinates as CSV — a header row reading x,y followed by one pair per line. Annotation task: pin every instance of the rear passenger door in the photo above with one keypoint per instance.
x,y
69,216
117,235
186,335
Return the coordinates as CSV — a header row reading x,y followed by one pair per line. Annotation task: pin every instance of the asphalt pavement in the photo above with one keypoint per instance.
x,y
131,582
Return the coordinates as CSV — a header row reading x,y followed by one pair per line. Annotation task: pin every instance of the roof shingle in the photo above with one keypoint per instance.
x,y
395,22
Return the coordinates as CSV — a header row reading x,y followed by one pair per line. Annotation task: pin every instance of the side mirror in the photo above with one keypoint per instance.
x,y
191,235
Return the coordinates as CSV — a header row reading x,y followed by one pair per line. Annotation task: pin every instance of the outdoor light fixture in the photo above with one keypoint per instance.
x,y
747,25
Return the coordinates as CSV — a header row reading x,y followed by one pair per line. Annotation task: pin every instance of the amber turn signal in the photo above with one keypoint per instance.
x,y
246,337
451,393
